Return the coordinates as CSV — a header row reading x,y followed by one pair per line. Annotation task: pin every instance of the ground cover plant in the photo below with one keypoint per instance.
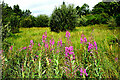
x,y
86,52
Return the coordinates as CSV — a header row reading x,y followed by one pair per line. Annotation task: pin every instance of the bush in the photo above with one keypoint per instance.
x,y
118,20
104,18
82,21
26,22
14,23
63,18
111,22
97,19
42,21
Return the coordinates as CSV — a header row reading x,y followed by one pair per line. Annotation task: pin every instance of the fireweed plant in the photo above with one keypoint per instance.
x,y
48,59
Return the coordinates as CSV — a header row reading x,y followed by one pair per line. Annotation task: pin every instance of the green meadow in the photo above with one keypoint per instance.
x,y
108,42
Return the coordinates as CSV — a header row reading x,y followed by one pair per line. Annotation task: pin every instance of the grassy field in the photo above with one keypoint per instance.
x,y
108,42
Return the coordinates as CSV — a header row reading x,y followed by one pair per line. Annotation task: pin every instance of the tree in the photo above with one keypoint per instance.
x,y
42,21
84,10
17,10
111,8
63,18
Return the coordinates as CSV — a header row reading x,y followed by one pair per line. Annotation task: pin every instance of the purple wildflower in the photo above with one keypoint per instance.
x,y
11,47
90,46
46,45
58,43
82,35
68,51
30,46
85,40
95,45
83,72
39,44
81,40
31,42
61,42
1,51
24,48
67,34
116,59
44,38
52,42
36,55
49,60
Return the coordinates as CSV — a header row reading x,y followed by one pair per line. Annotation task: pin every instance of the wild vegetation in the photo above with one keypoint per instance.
x,y
86,45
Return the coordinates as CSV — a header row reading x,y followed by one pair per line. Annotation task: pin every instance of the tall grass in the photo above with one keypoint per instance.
x,y
32,57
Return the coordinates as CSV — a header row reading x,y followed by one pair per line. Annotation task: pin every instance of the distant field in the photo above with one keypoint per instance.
x,y
108,42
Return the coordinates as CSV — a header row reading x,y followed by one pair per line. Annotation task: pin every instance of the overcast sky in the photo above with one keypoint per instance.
x,y
47,6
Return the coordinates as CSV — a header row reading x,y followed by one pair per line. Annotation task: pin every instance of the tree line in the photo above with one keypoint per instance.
x,y
63,17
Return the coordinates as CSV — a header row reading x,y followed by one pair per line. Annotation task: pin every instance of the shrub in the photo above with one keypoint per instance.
x,y
26,22
104,18
14,23
82,21
118,20
111,22
63,18
97,19
42,21
6,32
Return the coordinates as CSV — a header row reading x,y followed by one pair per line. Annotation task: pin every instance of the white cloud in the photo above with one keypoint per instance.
x,y
47,6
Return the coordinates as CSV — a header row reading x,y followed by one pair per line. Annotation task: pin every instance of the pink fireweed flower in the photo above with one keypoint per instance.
x,y
46,45
85,40
36,55
71,53
81,40
44,38
71,48
90,46
31,42
82,35
39,44
30,46
73,56
52,42
45,34
49,60
68,50
95,44
24,48
59,42
11,47
66,54
67,34
1,51
83,72
116,59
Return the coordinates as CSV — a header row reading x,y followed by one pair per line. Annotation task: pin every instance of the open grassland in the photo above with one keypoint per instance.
x,y
108,43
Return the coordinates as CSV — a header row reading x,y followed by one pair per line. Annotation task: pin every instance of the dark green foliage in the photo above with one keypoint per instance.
x,y
118,20
97,19
14,23
112,23
84,10
82,21
17,10
111,8
42,21
26,22
63,18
